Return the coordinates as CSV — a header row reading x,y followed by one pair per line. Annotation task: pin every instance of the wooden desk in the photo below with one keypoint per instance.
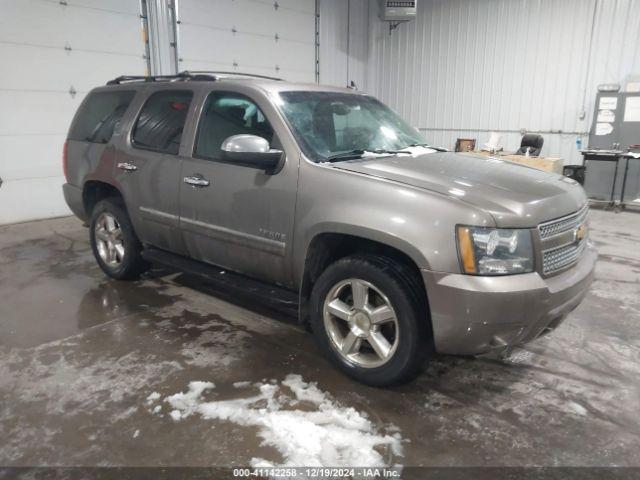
x,y
548,164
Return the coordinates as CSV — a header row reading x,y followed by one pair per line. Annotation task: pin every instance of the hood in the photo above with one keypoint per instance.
x,y
515,195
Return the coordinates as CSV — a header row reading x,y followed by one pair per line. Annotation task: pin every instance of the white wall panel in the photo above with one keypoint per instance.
x,y
51,24
616,44
334,40
250,36
344,41
39,157
58,70
466,67
32,199
47,49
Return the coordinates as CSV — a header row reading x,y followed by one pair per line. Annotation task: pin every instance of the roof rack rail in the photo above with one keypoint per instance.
x,y
182,76
232,74
128,78
185,76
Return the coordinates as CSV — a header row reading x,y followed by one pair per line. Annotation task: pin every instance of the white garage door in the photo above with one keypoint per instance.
x,y
266,37
48,50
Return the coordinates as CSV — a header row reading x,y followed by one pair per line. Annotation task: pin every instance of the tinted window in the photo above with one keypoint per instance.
x,y
225,115
160,124
99,116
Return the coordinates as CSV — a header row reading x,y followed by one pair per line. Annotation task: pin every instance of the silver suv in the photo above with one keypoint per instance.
x,y
325,199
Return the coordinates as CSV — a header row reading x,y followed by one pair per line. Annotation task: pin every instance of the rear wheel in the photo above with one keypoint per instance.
x,y
113,241
368,319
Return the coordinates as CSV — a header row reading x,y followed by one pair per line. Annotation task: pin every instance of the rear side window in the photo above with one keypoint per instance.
x,y
99,116
161,121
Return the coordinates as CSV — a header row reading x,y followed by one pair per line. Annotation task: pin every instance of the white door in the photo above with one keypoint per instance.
x,y
51,55
265,37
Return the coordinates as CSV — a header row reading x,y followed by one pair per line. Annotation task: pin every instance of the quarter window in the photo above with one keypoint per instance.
x,y
225,115
99,116
161,121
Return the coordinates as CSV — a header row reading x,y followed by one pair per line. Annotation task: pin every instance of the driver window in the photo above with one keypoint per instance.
x,y
225,115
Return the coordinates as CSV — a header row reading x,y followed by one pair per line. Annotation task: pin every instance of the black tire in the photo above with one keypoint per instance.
x,y
407,299
131,265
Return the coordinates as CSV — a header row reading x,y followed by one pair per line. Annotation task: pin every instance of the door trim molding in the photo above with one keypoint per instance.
x,y
159,213
235,237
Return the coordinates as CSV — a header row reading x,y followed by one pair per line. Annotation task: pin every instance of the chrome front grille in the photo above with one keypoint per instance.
x,y
559,258
563,241
565,224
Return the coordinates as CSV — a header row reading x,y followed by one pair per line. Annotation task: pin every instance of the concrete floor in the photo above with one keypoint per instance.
x,y
80,354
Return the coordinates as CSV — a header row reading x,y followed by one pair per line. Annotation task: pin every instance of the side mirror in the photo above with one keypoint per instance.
x,y
251,151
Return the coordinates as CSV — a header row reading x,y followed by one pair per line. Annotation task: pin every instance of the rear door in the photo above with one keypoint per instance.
x,y
148,167
239,217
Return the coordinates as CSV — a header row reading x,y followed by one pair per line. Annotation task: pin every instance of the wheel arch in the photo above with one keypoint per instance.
x,y
95,190
328,247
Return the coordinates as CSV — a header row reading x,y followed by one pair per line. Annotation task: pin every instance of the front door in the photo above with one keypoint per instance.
x,y
233,216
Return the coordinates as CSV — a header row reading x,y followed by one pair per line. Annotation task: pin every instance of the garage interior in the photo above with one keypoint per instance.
x,y
92,369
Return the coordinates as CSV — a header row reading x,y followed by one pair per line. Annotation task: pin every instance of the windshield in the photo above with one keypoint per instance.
x,y
327,124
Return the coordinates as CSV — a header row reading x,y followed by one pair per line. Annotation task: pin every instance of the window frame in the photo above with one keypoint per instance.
x,y
196,137
137,146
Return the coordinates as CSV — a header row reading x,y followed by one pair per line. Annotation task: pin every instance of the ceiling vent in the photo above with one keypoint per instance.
x,y
397,10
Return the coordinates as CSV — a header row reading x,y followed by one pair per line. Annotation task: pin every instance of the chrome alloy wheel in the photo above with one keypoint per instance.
x,y
109,241
361,323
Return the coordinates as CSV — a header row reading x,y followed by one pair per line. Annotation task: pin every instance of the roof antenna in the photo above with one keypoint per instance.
x,y
352,85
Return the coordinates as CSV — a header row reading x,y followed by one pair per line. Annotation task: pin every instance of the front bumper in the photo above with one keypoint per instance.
x,y
472,314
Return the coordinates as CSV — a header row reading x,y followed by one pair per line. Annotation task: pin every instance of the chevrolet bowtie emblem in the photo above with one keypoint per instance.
x,y
580,233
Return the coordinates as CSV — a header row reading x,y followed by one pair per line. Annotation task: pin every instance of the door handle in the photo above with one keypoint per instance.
x,y
127,167
198,182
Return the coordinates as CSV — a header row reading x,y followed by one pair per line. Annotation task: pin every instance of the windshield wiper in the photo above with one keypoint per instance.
x,y
345,156
426,145
354,154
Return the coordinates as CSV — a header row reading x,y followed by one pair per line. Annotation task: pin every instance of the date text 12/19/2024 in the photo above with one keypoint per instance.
x,y
318,472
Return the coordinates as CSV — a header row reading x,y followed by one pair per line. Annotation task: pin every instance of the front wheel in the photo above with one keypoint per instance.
x,y
368,318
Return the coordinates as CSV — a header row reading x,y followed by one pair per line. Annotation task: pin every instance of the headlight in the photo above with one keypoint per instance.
x,y
494,251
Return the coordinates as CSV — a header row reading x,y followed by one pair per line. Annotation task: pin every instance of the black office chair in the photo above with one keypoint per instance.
x,y
532,142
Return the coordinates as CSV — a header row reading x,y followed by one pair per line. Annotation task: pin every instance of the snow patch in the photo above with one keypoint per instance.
x,y
185,403
304,391
153,397
241,384
577,408
328,434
